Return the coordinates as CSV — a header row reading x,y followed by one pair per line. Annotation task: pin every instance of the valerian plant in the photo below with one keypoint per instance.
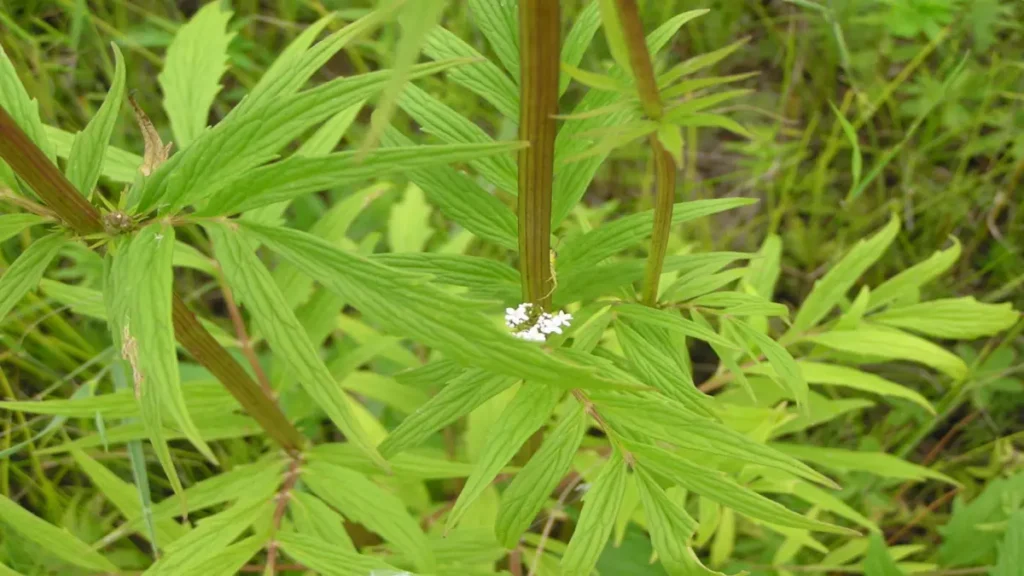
x,y
585,391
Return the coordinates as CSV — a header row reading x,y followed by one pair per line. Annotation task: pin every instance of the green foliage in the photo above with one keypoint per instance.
x,y
349,398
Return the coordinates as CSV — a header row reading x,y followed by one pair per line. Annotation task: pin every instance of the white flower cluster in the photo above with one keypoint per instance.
x,y
517,318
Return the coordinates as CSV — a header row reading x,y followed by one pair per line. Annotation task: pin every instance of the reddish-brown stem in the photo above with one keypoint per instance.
x,y
243,339
922,515
32,166
283,495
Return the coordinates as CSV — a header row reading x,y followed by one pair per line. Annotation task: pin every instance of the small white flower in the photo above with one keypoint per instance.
x,y
543,325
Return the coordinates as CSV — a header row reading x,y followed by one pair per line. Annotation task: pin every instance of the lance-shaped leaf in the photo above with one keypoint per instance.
x,y
892,344
499,23
782,361
300,175
190,80
609,239
670,421
480,76
951,318
23,108
722,489
600,506
461,198
124,496
460,397
86,158
312,516
363,501
420,311
255,287
880,463
12,224
26,271
328,558
527,412
118,165
671,529
832,287
210,538
658,370
52,540
139,314
673,322
438,119
914,277
526,495
244,141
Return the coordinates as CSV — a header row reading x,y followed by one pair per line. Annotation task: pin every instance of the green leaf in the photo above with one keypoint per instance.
x,y
600,506
892,344
140,314
434,373
856,159
832,375
776,483
481,275
311,516
26,271
595,80
22,107
330,559
12,224
687,87
231,560
409,224
462,199
609,239
785,367
914,277
124,496
740,303
6,571
951,318
878,463
118,165
526,495
528,411
671,529
672,422
650,361
210,427
55,541
255,288
480,76
687,108
832,288
246,140
299,175
86,158
1011,551
878,561
460,397
671,321
190,79
416,20
614,34
424,465
446,322
210,538
327,137
498,20
585,25
712,121
724,490
363,501
671,138
729,358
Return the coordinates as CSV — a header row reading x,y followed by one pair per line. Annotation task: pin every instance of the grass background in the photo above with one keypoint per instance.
x,y
934,90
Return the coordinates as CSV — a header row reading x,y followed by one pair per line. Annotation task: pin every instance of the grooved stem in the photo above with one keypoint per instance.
x,y
664,166
539,53
32,166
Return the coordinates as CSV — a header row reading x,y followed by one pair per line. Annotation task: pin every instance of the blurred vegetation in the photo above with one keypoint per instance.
x,y
934,94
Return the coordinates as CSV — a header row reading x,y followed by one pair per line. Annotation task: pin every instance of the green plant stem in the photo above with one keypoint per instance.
x,y
664,167
539,50
32,166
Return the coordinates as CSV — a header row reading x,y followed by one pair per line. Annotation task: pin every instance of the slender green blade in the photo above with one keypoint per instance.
x,y
26,271
88,151
55,541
